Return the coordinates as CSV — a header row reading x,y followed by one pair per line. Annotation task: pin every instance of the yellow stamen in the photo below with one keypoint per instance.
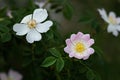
x,y
79,47
32,24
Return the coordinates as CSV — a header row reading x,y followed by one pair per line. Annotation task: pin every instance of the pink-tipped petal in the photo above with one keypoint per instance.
x,y
86,37
67,49
73,36
14,75
78,56
86,57
90,50
68,42
3,76
71,54
90,42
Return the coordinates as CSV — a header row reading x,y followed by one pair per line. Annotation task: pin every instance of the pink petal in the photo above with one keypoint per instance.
x,y
15,75
68,42
79,35
86,37
78,56
3,76
90,42
67,49
86,57
90,50
71,54
76,37
73,37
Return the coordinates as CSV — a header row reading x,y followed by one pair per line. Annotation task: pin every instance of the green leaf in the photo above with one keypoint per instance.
x,y
48,61
59,64
55,52
5,37
3,28
68,11
90,75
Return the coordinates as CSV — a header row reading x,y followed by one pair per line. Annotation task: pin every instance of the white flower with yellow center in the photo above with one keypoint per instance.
x,y
79,46
33,25
112,20
12,75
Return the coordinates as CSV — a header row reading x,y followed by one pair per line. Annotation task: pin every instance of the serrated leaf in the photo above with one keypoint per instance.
x,y
68,11
55,52
90,75
48,61
59,64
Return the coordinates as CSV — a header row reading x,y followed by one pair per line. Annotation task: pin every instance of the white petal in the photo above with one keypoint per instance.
x,y
112,14
44,27
14,75
103,15
118,27
118,20
33,35
111,28
3,76
115,33
26,19
40,15
21,29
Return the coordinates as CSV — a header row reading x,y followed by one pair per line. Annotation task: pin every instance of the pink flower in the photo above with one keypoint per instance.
x,y
12,75
79,46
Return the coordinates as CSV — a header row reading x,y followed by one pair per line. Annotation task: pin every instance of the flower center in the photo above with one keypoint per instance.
x,y
79,47
112,20
32,24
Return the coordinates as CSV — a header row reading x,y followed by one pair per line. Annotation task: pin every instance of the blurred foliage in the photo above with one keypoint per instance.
x,y
46,60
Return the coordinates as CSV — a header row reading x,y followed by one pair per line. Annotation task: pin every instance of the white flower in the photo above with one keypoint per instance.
x,y
12,75
33,25
112,20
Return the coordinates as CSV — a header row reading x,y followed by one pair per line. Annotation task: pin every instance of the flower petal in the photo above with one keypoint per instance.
x,y
33,35
40,15
103,15
118,27
112,14
44,27
26,19
21,29
118,20
90,42
90,50
71,54
14,75
115,33
86,37
111,28
67,49
3,76
86,57
76,37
